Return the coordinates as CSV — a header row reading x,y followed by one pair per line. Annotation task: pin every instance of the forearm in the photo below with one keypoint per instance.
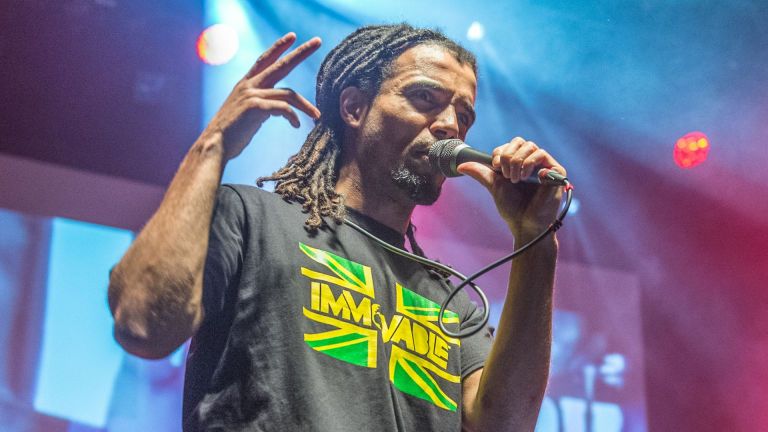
x,y
515,375
155,291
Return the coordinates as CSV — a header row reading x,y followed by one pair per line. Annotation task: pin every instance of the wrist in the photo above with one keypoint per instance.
x,y
209,145
548,243
526,231
206,153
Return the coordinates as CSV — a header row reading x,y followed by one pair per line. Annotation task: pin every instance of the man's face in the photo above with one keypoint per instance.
x,y
429,96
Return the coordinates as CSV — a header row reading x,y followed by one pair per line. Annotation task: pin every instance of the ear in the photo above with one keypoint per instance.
x,y
353,106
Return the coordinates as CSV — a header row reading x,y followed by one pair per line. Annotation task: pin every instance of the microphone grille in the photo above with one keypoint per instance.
x,y
442,156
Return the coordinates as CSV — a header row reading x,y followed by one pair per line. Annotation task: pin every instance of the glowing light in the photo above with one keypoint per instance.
x,y
691,150
575,206
218,44
476,31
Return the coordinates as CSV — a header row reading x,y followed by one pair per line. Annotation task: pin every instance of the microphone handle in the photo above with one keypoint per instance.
x,y
469,154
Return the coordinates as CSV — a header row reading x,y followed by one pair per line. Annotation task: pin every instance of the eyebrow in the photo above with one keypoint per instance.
x,y
434,85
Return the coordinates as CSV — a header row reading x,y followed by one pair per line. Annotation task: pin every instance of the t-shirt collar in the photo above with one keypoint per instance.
x,y
376,228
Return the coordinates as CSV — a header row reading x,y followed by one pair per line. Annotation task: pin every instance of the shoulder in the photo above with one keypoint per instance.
x,y
244,192
249,196
254,203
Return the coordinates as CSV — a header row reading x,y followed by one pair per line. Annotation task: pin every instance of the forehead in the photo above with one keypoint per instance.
x,y
435,63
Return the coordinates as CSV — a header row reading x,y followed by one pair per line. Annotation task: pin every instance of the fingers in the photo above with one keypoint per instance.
x,y
537,160
292,97
518,159
479,172
278,69
276,108
271,54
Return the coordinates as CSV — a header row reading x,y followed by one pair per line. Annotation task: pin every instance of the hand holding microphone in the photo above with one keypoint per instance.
x,y
527,210
446,155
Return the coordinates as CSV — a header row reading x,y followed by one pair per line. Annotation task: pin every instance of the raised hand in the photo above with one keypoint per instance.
x,y
527,208
254,98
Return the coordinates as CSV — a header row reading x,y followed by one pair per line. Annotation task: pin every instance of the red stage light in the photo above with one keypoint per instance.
x,y
691,150
217,44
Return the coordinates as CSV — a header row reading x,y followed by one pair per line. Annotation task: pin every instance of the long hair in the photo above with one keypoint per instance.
x,y
363,59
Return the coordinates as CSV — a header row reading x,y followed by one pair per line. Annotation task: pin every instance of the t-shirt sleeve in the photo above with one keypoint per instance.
x,y
475,348
225,250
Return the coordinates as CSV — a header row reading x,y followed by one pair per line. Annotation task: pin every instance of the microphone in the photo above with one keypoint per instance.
x,y
446,155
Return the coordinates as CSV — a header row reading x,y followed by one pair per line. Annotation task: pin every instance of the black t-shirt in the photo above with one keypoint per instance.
x,y
324,332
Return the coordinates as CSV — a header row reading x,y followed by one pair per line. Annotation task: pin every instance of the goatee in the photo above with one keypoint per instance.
x,y
421,188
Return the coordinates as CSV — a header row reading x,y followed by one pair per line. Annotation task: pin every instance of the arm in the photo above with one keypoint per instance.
x,y
155,291
507,393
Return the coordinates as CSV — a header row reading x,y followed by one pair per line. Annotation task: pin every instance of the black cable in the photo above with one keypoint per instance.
x,y
427,262
554,226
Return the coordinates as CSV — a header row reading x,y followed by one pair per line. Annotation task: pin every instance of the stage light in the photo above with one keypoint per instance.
x,y
691,150
217,44
575,205
476,31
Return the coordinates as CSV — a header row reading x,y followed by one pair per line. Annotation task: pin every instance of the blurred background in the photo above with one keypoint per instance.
x,y
659,110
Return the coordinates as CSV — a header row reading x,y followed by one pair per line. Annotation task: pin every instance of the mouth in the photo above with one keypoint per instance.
x,y
422,151
422,163
419,152
422,156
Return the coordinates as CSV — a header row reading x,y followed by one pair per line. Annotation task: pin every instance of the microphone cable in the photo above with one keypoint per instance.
x,y
554,226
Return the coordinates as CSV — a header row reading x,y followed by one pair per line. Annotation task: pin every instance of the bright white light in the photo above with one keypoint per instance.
x,y
575,205
476,31
218,44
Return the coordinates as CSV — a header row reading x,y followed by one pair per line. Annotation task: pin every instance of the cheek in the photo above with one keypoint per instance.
x,y
393,127
404,115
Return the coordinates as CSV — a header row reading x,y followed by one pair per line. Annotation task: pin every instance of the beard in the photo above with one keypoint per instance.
x,y
423,189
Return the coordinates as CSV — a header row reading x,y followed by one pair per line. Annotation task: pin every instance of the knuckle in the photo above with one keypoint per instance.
x,y
281,63
256,81
241,86
255,103
251,92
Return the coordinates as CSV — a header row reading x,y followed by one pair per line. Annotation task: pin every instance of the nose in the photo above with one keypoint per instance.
x,y
446,125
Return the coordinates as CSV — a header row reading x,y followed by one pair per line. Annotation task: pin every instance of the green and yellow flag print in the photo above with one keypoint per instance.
x,y
343,298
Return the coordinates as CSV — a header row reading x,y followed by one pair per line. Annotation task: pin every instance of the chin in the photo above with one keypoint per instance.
x,y
421,188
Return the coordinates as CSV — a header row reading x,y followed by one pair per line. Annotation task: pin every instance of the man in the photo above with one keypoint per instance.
x,y
314,327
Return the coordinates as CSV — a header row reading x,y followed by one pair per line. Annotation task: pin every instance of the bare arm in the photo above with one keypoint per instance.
x,y
155,291
506,394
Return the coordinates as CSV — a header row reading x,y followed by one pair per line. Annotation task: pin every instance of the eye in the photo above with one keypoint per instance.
x,y
424,95
464,119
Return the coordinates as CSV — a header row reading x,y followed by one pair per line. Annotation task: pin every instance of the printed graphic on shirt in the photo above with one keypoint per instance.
x,y
344,299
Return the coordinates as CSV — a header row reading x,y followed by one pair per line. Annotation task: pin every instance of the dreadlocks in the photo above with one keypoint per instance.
x,y
363,59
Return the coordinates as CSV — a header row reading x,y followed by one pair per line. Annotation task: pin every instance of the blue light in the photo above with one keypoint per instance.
x,y
80,359
575,206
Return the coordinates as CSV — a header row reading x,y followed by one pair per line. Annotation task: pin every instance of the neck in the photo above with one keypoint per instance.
x,y
374,198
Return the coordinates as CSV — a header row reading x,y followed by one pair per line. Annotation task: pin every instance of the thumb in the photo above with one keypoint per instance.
x,y
484,175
